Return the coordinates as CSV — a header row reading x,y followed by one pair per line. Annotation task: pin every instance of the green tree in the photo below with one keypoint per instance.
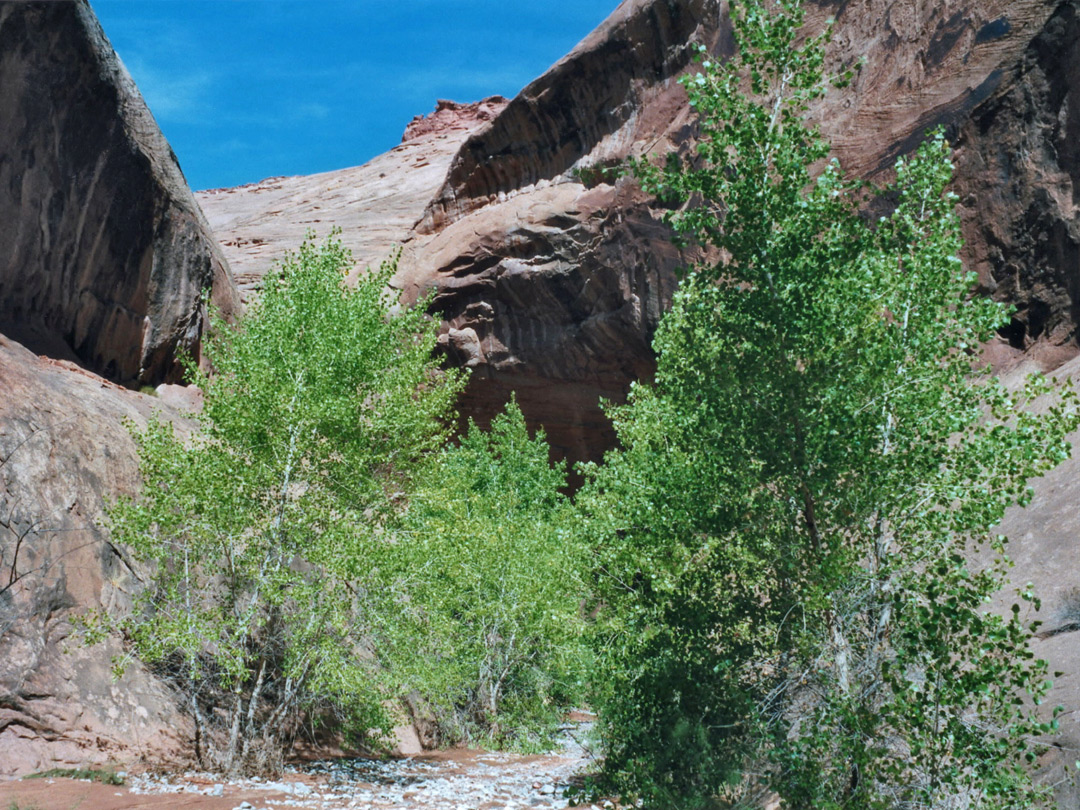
x,y
786,539
320,408
483,590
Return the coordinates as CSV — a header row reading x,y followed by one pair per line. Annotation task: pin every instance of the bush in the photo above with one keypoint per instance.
x,y
482,584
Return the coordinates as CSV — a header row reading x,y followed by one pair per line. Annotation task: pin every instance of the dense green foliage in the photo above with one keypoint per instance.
x,y
792,554
481,612
319,550
786,539
319,411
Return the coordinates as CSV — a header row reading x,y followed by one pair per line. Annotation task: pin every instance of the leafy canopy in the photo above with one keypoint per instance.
x,y
482,589
786,539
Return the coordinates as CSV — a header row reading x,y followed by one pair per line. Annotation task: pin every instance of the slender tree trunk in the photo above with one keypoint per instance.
x,y
234,733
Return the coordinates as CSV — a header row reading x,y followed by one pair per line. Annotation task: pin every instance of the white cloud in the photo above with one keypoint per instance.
x,y
174,97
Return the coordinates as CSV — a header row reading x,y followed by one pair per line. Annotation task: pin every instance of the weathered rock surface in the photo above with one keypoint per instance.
x,y
106,257
604,100
1003,77
64,451
1044,544
563,310
105,253
550,281
451,115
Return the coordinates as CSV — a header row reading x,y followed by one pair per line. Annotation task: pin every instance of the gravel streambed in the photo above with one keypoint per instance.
x,y
451,780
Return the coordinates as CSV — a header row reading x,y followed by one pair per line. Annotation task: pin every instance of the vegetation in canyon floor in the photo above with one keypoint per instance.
x,y
798,574
315,554
483,589
789,568
318,413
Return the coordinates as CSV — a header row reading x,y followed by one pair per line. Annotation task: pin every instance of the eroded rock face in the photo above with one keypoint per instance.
x,y
546,287
554,296
1019,181
1001,76
64,451
376,205
105,253
549,277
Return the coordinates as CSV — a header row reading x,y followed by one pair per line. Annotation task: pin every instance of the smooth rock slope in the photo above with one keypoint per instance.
x,y
104,254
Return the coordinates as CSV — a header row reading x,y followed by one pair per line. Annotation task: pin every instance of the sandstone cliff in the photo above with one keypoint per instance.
x,y
106,256
64,450
550,281
105,252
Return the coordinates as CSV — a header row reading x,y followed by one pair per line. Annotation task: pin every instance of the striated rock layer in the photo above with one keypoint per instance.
x,y
105,254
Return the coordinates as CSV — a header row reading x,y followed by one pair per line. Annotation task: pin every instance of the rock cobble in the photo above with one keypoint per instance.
x,y
460,781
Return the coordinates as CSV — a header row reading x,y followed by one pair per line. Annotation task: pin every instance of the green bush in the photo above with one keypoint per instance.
x,y
482,590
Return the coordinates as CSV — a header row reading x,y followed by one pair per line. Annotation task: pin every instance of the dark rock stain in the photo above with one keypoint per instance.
x,y
993,30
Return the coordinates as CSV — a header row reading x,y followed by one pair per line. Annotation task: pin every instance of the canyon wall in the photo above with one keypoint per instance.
x,y
65,451
550,276
104,254
104,260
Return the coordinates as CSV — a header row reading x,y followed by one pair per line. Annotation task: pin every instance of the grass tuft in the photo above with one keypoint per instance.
x,y
93,774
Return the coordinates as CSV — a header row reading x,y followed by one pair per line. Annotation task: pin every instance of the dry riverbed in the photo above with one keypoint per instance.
x,y
446,780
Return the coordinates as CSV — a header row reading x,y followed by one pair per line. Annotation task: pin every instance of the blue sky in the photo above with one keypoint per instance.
x,y
247,89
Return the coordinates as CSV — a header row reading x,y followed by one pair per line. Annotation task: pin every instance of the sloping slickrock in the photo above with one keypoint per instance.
x,y
376,205
1044,544
104,254
64,450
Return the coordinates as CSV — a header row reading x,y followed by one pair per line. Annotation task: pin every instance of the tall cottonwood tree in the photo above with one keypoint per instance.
x,y
259,530
786,540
